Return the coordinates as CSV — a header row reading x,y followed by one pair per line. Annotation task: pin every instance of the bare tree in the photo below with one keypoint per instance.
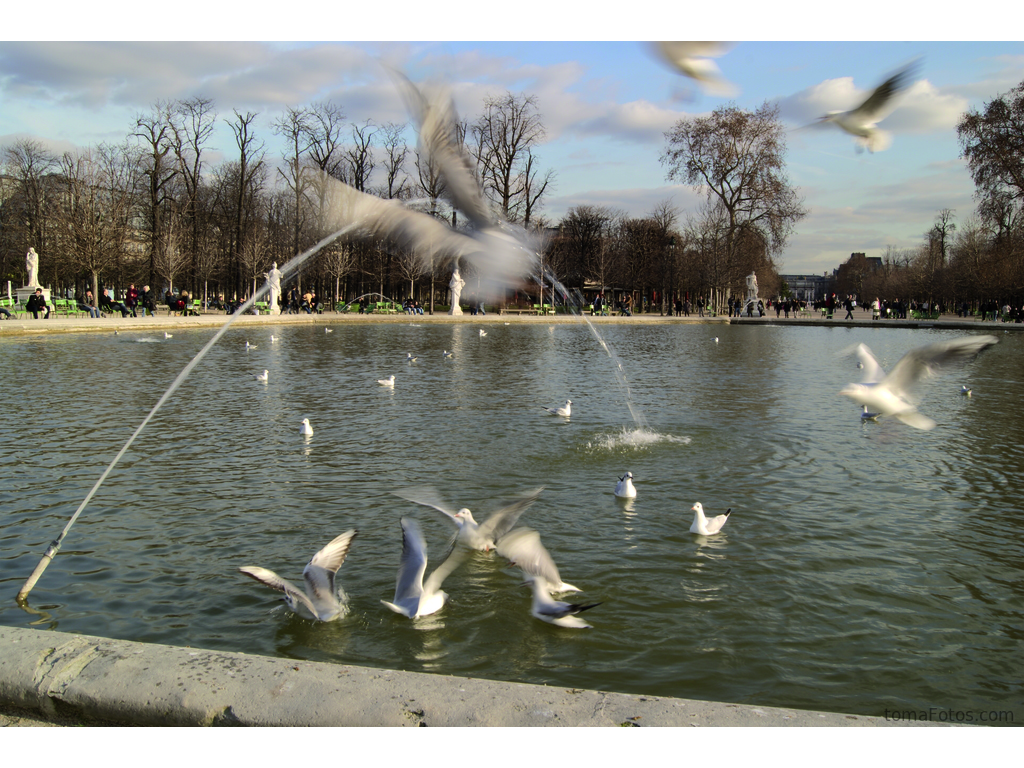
x,y
395,154
156,137
193,121
249,178
94,215
737,158
506,135
30,165
295,126
360,155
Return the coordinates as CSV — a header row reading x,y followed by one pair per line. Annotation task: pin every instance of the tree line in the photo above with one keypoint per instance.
x,y
155,210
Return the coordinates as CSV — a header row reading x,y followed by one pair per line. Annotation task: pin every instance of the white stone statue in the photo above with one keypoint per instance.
x,y
274,281
456,285
752,285
32,265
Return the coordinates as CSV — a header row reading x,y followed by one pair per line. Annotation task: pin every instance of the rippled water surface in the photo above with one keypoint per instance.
x,y
865,566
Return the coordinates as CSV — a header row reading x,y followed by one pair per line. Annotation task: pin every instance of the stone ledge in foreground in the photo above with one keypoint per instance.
x,y
65,677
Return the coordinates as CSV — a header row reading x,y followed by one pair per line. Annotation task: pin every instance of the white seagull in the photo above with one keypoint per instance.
x,y
328,330
867,415
306,429
249,346
265,376
273,339
479,536
692,59
447,354
565,410
410,358
482,333
624,488
705,526
413,596
523,549
716,339
323,599
860,122
168,335
965,391
388,382
889,394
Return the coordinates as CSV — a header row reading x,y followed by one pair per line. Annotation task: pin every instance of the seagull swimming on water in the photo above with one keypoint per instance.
x,y
965,391
249,346
867,415
410,358
707,526
306,429
889,394
483,536
624,488
323,598
860,121
415,597
388,382
523,549
447,354
265,376
565,410
482,333
328,330
168,335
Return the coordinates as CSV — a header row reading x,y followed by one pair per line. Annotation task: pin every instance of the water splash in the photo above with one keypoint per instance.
x,y
637,439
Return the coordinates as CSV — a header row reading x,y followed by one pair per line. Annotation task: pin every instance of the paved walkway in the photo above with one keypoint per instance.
x,y
30,326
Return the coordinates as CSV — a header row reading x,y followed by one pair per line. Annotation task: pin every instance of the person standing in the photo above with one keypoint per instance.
x,y
131,299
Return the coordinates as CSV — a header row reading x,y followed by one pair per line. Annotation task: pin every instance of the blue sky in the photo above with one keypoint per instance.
x,y
605,105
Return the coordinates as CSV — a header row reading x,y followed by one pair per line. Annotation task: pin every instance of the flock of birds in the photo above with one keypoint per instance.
x,y
695,60
497,250
416,594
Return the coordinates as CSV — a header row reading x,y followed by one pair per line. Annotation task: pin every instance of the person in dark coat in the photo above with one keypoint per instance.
x,y
36,304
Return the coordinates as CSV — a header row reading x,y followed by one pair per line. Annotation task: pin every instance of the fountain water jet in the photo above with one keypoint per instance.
x,y
55,545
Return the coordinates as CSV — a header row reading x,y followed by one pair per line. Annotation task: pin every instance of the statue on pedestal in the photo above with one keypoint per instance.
x,y
274,281
751,303
32,266
456,285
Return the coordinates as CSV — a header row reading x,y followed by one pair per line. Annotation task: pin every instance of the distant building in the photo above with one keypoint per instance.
x,y
808,287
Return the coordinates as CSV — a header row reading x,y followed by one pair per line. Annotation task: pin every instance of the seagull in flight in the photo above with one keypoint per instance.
x,y
388,382
624,488
707,526
523,549
860,121
889,394
322,599
565,410
413,596
695,60
265,376
483,536
306,429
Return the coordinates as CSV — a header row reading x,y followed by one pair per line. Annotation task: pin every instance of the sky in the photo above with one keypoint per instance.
x,y
604,99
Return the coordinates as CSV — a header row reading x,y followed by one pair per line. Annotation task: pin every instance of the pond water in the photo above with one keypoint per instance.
x,y
865,566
